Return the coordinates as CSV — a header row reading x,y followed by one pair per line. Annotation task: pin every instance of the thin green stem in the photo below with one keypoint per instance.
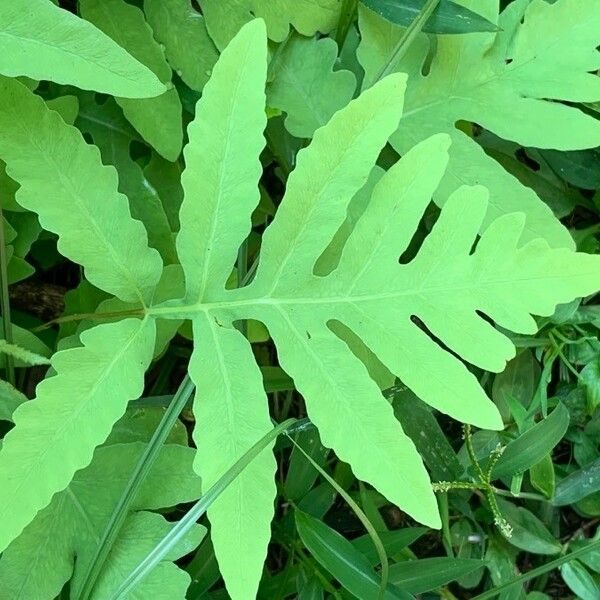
x,y
96,316
347,14
471,452
138,476
541,570
412,31
5,304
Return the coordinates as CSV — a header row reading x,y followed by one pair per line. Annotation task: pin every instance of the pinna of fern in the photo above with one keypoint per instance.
x,y
461,285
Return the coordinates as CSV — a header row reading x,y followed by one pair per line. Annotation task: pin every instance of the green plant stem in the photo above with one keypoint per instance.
x,y
412,31
5,304
138,476
181,528
541,570
346,18
96,316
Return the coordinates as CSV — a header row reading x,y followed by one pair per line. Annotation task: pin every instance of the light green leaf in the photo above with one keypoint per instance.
x,y
180,28
232,415
224,19
113,135
305,86
56,433
446,286
61,540
222,165
25,356
157,119
63,180
484,77
42,41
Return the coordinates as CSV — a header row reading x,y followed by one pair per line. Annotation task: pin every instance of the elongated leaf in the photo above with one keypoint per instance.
x,y
342,560
448,17
221,178
579,579
393,542
484,77
301,67
71,525
528,532
531,447
25,356
42,41
64,181
74,411
578,485
429,573
113,135
179,26
232,415
157,119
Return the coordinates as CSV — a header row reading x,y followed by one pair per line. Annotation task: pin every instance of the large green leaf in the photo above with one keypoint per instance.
x,y
305,86
451,289
61,540
42,41
157,119
73,412
63,180
506,82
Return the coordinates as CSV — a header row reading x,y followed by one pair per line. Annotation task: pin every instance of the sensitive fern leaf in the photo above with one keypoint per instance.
x,y
62,538
68,50
369,292
518,71
63,180
56,433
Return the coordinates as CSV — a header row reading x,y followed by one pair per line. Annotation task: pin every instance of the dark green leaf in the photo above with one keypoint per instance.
x,y
578,485
531,447
577,577
418,576
341,559
448,17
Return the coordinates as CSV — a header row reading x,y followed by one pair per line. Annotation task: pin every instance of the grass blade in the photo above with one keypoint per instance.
x,y
183,526
142,468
